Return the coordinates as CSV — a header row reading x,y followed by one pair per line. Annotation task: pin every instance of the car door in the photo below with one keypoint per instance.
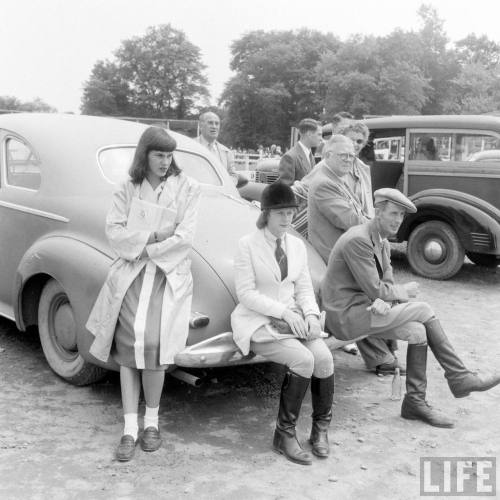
x,y
21,220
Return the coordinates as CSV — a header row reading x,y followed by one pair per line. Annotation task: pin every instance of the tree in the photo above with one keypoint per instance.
x,y
157,75
275,84
11,103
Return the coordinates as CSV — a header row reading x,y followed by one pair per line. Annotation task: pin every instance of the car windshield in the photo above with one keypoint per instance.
x,y
115,162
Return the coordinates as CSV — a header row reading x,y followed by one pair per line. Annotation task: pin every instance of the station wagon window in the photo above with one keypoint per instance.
x,y
453,146
115,162
23,166
389,148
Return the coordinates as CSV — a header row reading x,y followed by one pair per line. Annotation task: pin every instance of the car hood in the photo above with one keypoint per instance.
x,y
222,220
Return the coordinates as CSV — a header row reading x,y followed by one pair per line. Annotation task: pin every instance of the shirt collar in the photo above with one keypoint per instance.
x,y
207,144
271,239
306,150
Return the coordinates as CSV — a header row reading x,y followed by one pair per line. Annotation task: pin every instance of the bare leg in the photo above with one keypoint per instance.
x,y
152,383
130,383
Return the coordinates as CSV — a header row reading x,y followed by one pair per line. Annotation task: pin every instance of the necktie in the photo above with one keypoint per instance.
x,y
312,160
281,259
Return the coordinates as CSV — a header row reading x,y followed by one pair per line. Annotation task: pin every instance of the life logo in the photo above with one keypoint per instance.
x,y
458,476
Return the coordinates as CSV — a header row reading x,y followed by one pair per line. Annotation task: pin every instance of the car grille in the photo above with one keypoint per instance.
x,y
266,177
481,240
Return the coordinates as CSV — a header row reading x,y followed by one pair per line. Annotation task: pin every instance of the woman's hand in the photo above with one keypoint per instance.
x,y
313,327
296,323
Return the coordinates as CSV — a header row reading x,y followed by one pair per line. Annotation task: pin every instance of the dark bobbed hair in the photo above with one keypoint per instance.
x,y
152,139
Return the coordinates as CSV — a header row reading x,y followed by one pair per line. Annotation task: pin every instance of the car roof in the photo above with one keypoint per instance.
x,y
435,121
95,131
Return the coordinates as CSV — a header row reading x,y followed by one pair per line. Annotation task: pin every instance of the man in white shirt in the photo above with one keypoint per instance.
x,y
209,124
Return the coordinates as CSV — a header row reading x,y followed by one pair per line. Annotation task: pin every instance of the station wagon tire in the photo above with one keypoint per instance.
x,y
483,259
434,250
57,330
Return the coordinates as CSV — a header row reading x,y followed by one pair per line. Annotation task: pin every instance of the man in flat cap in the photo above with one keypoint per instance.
x,y
360,298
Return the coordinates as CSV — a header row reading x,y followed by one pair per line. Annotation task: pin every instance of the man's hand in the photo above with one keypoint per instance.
x,y
296,323
411,288
379,307
313,327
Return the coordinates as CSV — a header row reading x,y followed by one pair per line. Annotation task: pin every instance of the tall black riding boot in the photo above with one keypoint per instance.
x,y
285,441
460,380
322,390
414,406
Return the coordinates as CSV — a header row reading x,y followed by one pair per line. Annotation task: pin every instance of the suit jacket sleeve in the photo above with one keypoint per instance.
x,y
128,244
286,169
304,291
169,253
246,289
360,259
334,205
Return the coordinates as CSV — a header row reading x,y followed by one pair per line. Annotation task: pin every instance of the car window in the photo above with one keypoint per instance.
x,y
22,165
451,146
116,161
389,148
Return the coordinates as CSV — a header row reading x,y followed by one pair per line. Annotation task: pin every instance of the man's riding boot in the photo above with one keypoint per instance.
x,y
285,441
414,406
322,399
460,380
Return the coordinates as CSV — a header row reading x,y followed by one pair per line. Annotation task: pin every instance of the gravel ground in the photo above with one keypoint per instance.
x,y
57,441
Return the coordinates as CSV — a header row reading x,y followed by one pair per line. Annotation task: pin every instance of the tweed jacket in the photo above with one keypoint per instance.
x,y
332,208
359,271
181,194
294,165
261,292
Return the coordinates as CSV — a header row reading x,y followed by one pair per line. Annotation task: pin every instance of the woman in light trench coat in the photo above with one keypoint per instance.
x,y
141,315
278,318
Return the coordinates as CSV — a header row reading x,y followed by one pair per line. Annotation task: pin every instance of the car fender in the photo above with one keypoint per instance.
x,y
79,267
476,222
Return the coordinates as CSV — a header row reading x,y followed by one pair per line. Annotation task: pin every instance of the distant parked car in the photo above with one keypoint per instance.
x,y
57,174
450,167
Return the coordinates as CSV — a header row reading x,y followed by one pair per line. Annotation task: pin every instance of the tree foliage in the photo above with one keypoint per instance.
x,y
11,103
157,75
275,84
283,76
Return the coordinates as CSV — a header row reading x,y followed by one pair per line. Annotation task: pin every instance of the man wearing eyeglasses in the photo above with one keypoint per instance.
x,y
332,206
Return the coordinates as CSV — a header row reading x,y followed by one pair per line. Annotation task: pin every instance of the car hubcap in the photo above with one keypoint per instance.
x,y
434,251
63,326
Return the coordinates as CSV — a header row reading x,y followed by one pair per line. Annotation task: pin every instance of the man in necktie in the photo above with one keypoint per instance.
x,y
299,160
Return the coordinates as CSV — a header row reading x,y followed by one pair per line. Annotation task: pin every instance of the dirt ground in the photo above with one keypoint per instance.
x,y
57,441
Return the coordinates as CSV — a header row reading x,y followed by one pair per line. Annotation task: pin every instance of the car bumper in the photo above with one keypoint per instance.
x,y
216,351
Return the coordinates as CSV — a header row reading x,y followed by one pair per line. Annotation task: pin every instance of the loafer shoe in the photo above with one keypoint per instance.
x,y
126,448
389,368
150,439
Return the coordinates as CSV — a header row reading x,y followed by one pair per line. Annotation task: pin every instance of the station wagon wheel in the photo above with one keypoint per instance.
x,y
483,259
57,330
434,250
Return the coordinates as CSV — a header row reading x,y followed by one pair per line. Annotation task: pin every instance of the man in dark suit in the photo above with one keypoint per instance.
x,y
299,160
360,297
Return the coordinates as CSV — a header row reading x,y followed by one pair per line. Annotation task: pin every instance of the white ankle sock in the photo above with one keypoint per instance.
x,y
151,417
131,427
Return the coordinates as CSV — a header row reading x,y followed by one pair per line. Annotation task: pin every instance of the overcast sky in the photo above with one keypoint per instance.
x,y
48,47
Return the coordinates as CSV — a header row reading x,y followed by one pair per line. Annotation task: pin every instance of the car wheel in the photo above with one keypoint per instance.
x,y
483,259
434,250
57,329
